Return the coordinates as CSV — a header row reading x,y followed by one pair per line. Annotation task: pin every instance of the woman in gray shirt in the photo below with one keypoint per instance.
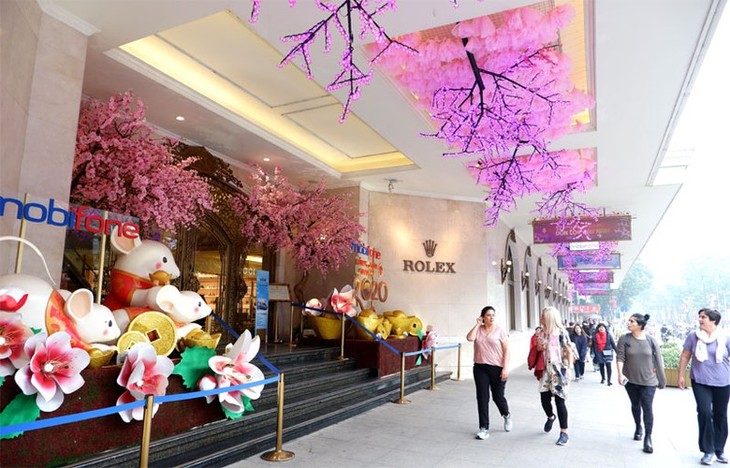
x,y
640,371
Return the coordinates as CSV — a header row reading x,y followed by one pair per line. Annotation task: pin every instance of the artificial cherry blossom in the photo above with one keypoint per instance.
x,y
54,369
143,373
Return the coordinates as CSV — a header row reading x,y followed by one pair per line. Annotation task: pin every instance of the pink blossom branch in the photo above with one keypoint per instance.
x,y
350,74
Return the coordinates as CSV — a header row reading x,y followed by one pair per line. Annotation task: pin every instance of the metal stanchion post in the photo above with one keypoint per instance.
x,y
402,400
291,325
433,369
21,234
458,364
278,454
342,357
144,451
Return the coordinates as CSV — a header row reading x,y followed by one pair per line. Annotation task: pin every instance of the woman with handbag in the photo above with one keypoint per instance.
x,y
555,345
640,370
709,350
603,347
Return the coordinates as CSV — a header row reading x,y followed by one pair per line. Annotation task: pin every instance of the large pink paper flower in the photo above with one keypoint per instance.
x,y
54,369
234,368
343,302
143,373
13,335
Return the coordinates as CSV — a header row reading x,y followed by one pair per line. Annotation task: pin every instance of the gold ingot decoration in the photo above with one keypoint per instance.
x,y
383,330
370,322
129,339
159,330
202,339
327,328
403,325
100,358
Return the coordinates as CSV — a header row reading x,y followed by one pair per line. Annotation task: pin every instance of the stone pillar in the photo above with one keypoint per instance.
x,y
42,75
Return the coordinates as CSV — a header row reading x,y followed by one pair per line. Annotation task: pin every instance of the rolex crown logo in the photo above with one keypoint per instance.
x,y
430,247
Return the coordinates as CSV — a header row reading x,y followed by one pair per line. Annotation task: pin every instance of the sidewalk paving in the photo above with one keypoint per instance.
x,y
437,430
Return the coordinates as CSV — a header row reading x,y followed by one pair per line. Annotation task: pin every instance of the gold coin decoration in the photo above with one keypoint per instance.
x,y
158,328
129,339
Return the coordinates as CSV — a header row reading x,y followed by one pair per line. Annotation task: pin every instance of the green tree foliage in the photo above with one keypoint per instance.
x,y
637,280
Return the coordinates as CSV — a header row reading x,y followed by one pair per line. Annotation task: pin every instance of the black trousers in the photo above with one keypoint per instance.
x,y
580,367
486,378
605,370
547,406
711,416
642,399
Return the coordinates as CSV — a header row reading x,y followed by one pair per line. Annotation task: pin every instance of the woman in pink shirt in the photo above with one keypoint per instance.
x,y
491,356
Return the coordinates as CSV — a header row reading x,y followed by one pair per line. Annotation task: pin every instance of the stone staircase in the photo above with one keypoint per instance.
x,y
320,390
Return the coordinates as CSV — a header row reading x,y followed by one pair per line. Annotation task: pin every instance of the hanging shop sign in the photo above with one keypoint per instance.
x,y
603,228
586,309
593,286
602,276
588,262
428,266
78,218
574,246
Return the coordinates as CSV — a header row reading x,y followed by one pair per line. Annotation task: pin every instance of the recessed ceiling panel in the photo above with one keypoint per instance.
x,y
352,137
215,39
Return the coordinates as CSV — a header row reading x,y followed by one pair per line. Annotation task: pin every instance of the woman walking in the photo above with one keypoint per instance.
x,y
638,360
709,349
555,345
581,345
491,357
603,348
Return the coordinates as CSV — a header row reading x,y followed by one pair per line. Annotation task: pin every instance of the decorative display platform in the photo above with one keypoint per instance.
x,y
60,445
374,355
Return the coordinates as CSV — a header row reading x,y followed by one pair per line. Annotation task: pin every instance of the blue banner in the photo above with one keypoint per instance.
x,y
262,300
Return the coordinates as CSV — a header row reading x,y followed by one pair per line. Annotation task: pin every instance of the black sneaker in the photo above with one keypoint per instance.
x,y
549,424
563,439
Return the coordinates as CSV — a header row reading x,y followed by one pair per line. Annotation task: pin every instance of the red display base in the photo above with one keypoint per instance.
x,y
59,445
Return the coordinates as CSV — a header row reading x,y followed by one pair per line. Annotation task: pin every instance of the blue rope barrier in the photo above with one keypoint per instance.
x,y
69,418
445,347
376,337
236,335
215,391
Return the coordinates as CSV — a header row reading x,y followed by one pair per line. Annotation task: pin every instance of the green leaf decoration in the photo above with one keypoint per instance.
x,y
22,409
193,365
418,360
420,334
232,415
36,330
247,403
2,380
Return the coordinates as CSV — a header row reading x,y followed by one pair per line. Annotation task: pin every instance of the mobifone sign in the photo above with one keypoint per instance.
x,y
421,266
80,218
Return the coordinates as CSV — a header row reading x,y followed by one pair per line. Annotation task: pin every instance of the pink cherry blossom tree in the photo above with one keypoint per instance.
x,y
121,167
501,93
316,228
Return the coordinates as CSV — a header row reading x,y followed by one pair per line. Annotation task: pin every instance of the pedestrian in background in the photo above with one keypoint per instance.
x,y
603,348
640,370
554,343
491,358
709,350
581,345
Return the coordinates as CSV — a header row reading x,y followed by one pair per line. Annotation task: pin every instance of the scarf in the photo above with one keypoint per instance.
x,y
703,339
601,340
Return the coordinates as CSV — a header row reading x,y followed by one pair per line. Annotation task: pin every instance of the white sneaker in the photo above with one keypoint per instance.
x,y
508,423
483,434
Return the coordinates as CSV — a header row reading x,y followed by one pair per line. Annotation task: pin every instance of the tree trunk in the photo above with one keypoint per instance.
x,y
299,288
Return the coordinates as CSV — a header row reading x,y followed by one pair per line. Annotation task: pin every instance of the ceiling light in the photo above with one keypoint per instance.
x,y
267,159
180,118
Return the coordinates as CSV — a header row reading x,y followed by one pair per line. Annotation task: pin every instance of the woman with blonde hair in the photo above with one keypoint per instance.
x,y
554,342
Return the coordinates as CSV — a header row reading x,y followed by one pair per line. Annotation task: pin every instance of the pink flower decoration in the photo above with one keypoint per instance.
x,y
311,305
54,369
143,373
343,302
13,335
232,369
